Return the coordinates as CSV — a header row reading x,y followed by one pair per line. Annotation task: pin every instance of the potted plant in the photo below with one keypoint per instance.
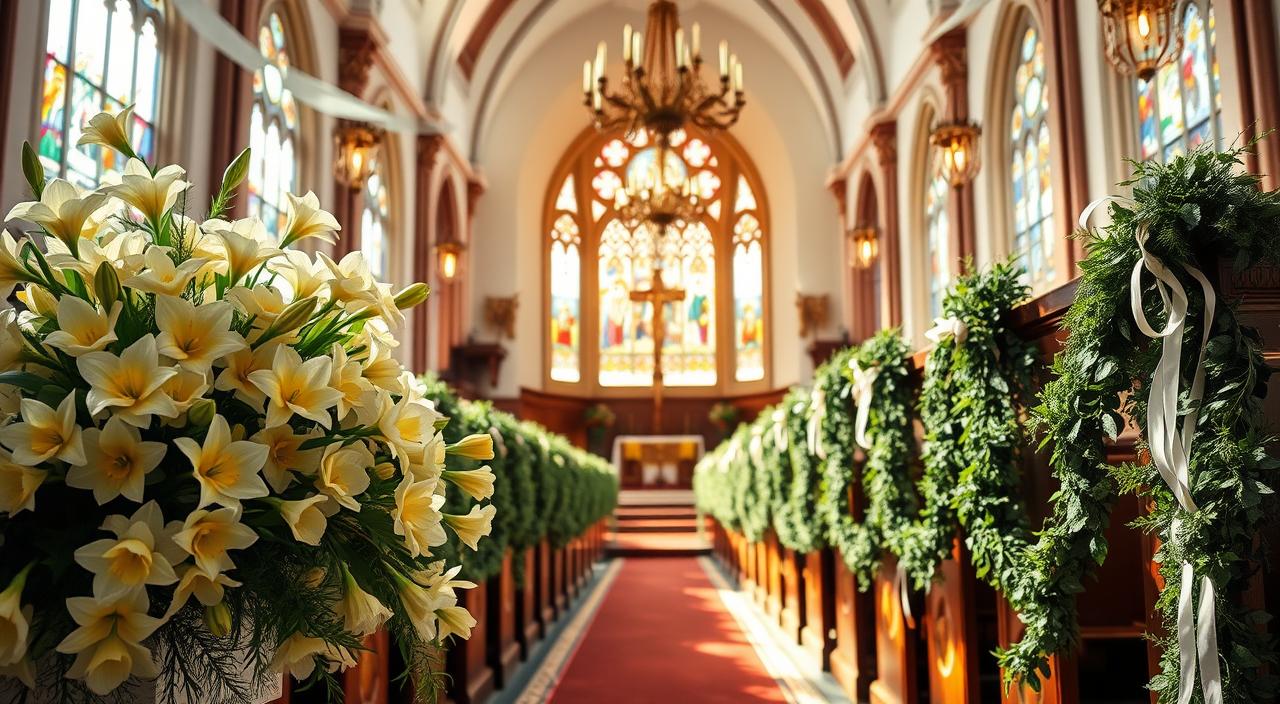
x,y
599,418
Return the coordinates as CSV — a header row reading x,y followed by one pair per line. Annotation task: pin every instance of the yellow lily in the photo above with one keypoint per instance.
x,y
185,388
239,365
348,379
38,300
18,485
63,210
195,336
161,276
153,196
304,275
243,245
293,386
117,461
131,560
455,620
109,130
83,327
344,473
208,536
473,526
12,270
417,516
108,642
350,281
362,613
45,433
476,483
305,519
284,455
408,425
419,606
209,591
306,219
130,384
15,620
227,470
478,446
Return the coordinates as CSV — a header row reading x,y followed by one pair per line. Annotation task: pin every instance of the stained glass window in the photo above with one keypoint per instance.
x,y
273,130
1029,163
937,235
748,297
1181,107
99,55
373,225
566,287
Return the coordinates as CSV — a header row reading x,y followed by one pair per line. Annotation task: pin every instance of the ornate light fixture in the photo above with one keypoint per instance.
x,y
448,255
1141,35
864,246
958,146
662,88
355,148
657,190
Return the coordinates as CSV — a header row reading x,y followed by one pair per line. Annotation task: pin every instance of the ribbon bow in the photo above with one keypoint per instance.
x,y
902,585
756,447
817,414
863,381
780,428
1170,447
947,327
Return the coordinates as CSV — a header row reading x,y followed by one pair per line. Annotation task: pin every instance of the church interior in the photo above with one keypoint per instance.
x,y
891,351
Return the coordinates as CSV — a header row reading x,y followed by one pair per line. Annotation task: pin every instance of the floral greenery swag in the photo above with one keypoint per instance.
x,y
1193,210
205,479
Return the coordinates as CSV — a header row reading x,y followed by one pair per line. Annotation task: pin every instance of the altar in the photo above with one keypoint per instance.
x,y
656,461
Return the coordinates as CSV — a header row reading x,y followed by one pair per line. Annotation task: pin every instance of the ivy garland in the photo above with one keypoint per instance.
x,y
1198,205
800,528
969,403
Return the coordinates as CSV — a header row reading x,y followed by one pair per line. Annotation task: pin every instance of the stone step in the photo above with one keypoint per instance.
x,y
646,512
657,525
657,545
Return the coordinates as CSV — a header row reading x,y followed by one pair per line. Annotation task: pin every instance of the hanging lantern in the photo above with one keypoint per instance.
x,y
957,143
355,148
448,255
1141,35
864,246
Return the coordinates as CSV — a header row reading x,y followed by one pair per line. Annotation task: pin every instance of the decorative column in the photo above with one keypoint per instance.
x,y
1256,57
232,97
884,137
357,46
429,146
1066,123
839,188
951,56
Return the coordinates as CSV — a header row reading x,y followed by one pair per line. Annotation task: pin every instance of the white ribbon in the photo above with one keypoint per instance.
x,y
756,447
780,434
947,327
817,414
901,583
1170,447
863,381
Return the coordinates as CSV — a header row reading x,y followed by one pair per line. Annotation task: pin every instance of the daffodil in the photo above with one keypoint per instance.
x,y
152,195
296,387
478,446
408,425
344,474
108,642
208,536
117,461
195,336
476,483
362,613
63,210
130,385
83,327
472,527
348,379
45,433
227,470
15,620
455,620
284,454
132,559
109,130
161,276
305,519
239,365
306,219
196,582
417,516
18,484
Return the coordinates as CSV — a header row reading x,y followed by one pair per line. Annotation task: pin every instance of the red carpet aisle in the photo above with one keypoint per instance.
x,y
663,635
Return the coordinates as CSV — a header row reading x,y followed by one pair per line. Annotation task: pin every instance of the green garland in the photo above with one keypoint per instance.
x,y
969,405
799,526
1198,203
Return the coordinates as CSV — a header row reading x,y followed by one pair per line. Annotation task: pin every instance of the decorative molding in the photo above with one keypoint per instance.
x,y
357,48
950,54
884,138
839,188
480,33
475,189
831,34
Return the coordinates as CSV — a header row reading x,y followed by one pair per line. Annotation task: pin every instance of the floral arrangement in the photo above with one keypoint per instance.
x,y
213,470
598,415
723,415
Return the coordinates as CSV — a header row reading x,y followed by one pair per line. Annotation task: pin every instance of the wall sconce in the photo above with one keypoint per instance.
x,y
864,246
958,144
1141,35
355,149
448,255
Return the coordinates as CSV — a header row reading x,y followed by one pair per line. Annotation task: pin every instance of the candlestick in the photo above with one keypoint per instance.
x,y
626,43
679,47
737,77
724,58
586,77
697,40
600,56
637,50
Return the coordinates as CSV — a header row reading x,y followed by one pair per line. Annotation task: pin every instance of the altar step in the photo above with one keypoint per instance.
x,y
656,523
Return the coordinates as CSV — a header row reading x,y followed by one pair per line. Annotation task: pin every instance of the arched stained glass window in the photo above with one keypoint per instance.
x,y
937,234
1033,233
614,331
99,55
273,129
373,225
1181,107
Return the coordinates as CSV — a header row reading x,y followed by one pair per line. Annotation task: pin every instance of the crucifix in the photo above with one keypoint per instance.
x,y
659,296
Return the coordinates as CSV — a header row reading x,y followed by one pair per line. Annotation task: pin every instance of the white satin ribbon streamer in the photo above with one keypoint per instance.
x,y
780,433
902,584
817,414
863,381
1170,447
756,447
947,327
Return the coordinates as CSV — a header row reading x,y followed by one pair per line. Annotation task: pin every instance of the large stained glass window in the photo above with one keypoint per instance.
x,y
373,225
1181,107
566,287
273,129
618,330
1029,163
99,55
937,235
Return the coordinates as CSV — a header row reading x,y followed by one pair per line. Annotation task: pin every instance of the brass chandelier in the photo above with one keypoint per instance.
x,y
662,88
657,190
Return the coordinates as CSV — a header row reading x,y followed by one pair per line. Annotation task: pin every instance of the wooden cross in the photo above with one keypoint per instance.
x,y
659,296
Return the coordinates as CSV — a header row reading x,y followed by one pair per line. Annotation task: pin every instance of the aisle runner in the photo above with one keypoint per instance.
x,y
663,634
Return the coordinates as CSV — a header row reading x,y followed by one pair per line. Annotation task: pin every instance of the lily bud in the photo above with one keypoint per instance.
x,y
236,172
295,315
384,470
217,619
412,295
106,285
202,412
39,301
473,447
33,169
